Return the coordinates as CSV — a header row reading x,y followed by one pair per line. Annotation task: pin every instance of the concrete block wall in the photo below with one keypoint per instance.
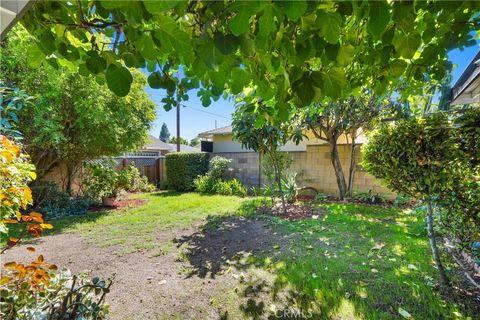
x,y
314,167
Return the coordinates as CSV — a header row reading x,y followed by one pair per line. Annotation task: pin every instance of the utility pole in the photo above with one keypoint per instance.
x,y
178,112
178,120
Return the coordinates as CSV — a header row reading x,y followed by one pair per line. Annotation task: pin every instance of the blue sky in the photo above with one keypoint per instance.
x,y
196,119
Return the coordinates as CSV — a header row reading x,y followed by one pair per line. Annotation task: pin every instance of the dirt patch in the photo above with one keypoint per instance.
x,y
119,204
293,211
166,285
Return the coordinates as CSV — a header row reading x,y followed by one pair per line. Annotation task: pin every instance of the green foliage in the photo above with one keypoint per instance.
x,y
102,180
183,167
214,181
412,156
217,167
74,117
369,197
436,159
321,197
54,203
63,297
289,186
12,100
282,159
129,179
174,140
301,49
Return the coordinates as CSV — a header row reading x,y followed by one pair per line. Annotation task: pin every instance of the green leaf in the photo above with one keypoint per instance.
x,y
240,79
34,56
155,80
47,41
119,79
210,55
345,54
266,22
227,44
240,23
156,6
397,67
333,82
95,63
329,25
406,44
295,9
147,47
379,17
171,38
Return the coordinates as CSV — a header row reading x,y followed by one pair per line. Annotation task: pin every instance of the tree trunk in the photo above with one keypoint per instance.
x,y
337,166
279,182
70,172
433,244
351,169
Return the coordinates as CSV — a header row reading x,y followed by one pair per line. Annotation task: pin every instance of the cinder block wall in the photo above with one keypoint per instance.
x,y
314,167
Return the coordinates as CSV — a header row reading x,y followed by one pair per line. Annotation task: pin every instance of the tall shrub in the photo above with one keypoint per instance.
x,y
183,167
413,157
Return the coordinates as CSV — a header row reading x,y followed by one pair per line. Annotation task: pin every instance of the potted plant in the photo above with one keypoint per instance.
x,y
102,182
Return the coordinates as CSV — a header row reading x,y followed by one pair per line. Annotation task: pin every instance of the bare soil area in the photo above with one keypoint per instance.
x,y
187,279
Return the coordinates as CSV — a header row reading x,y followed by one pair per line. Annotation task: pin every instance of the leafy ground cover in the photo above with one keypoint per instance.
x,y
184,256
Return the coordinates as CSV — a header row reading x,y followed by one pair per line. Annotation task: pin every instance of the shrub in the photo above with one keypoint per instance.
x,y
102,180
58,296
129,179
321,197
205,184
217,167
370,197
223,187
54,203
183,167
238,189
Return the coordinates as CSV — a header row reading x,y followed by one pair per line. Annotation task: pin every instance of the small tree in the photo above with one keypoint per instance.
x,y
350,118
194,142
164,133
413,157
263,137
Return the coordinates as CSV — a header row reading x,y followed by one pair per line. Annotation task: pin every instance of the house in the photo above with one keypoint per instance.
x,y
467,88
311,159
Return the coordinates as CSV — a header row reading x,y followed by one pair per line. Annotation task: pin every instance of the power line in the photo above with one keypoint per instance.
x,y
207,112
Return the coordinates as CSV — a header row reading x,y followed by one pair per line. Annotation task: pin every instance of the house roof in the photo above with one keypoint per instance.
x,y
467,88
183,148
156,144
10,12
219,131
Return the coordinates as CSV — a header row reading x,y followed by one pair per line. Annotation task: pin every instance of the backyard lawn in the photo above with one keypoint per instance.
x,y
190,256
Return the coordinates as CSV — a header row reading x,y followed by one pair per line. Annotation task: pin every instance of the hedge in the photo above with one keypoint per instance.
x,y
183,167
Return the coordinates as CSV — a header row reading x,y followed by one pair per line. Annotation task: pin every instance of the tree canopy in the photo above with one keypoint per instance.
x,y
164,133
296,51
73,118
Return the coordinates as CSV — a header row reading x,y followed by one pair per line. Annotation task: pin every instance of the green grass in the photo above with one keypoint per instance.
x,y
355,262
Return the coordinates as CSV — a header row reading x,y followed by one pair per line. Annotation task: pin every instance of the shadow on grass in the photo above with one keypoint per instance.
x,y
227,241
311,279
59,225
168,193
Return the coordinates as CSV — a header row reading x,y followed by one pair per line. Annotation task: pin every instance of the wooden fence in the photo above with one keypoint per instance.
x,y
153,167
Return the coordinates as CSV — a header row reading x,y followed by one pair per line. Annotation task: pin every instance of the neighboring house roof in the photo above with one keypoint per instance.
x,y
467,88
156,144
219,131
183,148
11,11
